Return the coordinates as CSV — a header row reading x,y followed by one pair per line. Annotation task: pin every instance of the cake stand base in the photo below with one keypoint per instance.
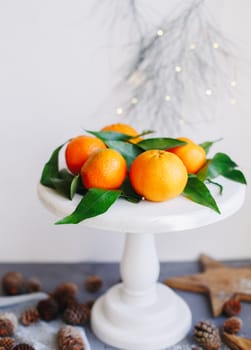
x,y
134,327
139,313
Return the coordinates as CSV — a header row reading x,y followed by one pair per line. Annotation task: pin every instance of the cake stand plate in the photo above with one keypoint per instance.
x,y
139,313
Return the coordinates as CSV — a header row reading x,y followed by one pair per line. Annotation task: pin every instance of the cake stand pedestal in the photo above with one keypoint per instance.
x,y
139,313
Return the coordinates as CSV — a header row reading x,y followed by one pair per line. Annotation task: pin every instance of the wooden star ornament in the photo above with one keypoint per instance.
x,y
234,342
219,281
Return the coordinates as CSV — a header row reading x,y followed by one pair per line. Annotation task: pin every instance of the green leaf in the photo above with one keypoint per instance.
x,y
143,133
162,143
110,135
220,164
216,184
69,183
96,201
128,150
74,183
208,144
128,192
74,186
50,170
235,175
116,136
81,189
62,186
64,174
67,186
202,174
198,192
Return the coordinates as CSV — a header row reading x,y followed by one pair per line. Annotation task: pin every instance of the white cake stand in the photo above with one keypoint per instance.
x,y
139,313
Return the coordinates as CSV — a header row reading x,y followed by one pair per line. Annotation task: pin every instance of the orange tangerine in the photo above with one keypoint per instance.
x,y
158,175
79,149
124,129
105,169
192,155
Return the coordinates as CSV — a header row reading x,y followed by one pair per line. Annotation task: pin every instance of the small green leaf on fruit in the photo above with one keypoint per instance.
x,y
110,135
162,143
117,136
208,144
95,202
128,192
128,150
202,174
198,192
143,133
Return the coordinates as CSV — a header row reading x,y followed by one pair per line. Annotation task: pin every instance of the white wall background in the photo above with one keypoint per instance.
x,y
56,73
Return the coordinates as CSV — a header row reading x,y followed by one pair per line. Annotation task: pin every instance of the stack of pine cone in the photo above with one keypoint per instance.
x,y
207,335
8,326
60,302
68,337
14,283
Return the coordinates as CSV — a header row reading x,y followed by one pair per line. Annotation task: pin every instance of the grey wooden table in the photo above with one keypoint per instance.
x,y
52,274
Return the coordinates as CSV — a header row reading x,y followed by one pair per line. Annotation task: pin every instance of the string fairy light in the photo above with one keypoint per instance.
x,y
162,65
189,77
160,32
137,79
168,98
134,100
119,110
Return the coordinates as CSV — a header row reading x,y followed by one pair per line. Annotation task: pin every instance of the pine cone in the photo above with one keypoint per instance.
x,y
33,285
7,343
232,325
232,307
76,314
8,324
48,309
65,294
23,346
29,316
93,283
67,288
13,283
6,328
207,335
69,338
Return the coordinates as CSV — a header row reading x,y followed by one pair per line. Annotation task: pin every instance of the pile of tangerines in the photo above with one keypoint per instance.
x,y
156,175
